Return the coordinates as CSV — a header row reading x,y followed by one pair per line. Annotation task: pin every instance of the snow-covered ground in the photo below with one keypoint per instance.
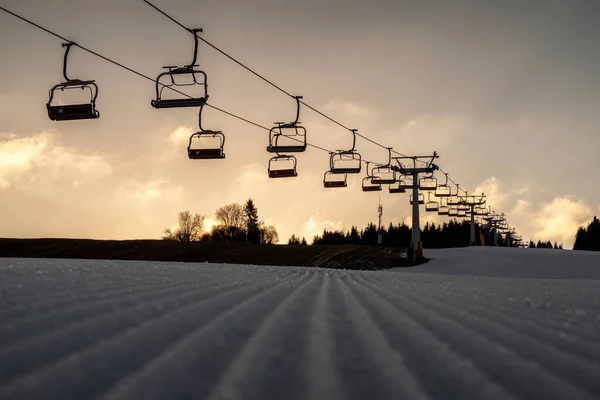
x,y
481,323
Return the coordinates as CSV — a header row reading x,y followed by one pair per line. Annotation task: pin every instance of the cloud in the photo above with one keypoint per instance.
x,y
316,224
494,196
175,141
559,219
38,162
348,108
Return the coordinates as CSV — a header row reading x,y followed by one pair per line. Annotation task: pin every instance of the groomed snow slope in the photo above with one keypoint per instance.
x,y
459,327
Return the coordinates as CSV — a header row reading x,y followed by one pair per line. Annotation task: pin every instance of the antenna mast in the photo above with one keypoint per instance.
x,y
379,232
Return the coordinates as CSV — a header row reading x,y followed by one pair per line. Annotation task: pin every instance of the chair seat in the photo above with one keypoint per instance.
x,y
72,112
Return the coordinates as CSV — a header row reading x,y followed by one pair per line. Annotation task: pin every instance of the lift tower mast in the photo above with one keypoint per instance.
x,y
415,253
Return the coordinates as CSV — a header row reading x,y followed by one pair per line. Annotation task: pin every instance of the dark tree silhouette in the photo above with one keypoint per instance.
x,y
588,238
231,220
293,240
252,224
189,228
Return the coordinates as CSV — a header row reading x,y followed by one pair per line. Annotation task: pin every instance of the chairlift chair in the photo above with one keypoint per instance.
x,y
346,161
452,212
368,186
443,190
463,207
331,180
420,199
461,213
428,183
168,80
215,140
70,112
407,182
431,206
397,189
288,137
481,211
287,171
383,175
443,210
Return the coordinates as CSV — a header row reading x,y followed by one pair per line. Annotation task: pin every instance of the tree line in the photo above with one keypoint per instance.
x,y
449,234
588,238
235,223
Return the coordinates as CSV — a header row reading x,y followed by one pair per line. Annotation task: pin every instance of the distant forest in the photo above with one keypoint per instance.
x,y
588,238
449,234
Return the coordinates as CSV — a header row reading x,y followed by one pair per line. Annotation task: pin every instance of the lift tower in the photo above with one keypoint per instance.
x,y
494,219
415,253
473,202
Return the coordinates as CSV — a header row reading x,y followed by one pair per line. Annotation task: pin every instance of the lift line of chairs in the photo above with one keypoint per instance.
x,y
284,138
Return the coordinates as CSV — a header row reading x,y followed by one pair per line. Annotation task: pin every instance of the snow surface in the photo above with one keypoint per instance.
x,y
482,323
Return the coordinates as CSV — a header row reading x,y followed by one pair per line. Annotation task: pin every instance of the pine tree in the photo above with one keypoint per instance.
x,y
303,243
252,225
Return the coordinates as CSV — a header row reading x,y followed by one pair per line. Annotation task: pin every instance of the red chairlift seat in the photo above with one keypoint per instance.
x,y
335,183
289,171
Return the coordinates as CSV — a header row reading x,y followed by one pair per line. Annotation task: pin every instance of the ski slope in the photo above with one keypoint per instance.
x,y
481,323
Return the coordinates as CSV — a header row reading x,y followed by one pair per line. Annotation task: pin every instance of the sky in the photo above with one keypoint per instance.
x,y
506,92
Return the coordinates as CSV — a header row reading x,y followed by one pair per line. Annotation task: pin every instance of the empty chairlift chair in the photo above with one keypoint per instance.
x,y
443,190
331,180
397,188
384,174
443,210
368,185
431,206
428,183
452,212
282,166
288,137
346,161
206,144
180,77
454,199
420,199
79,110
481,211
407,182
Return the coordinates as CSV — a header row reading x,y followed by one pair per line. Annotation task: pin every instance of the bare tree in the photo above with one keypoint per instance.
x,y
232,219
189,228
268,234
